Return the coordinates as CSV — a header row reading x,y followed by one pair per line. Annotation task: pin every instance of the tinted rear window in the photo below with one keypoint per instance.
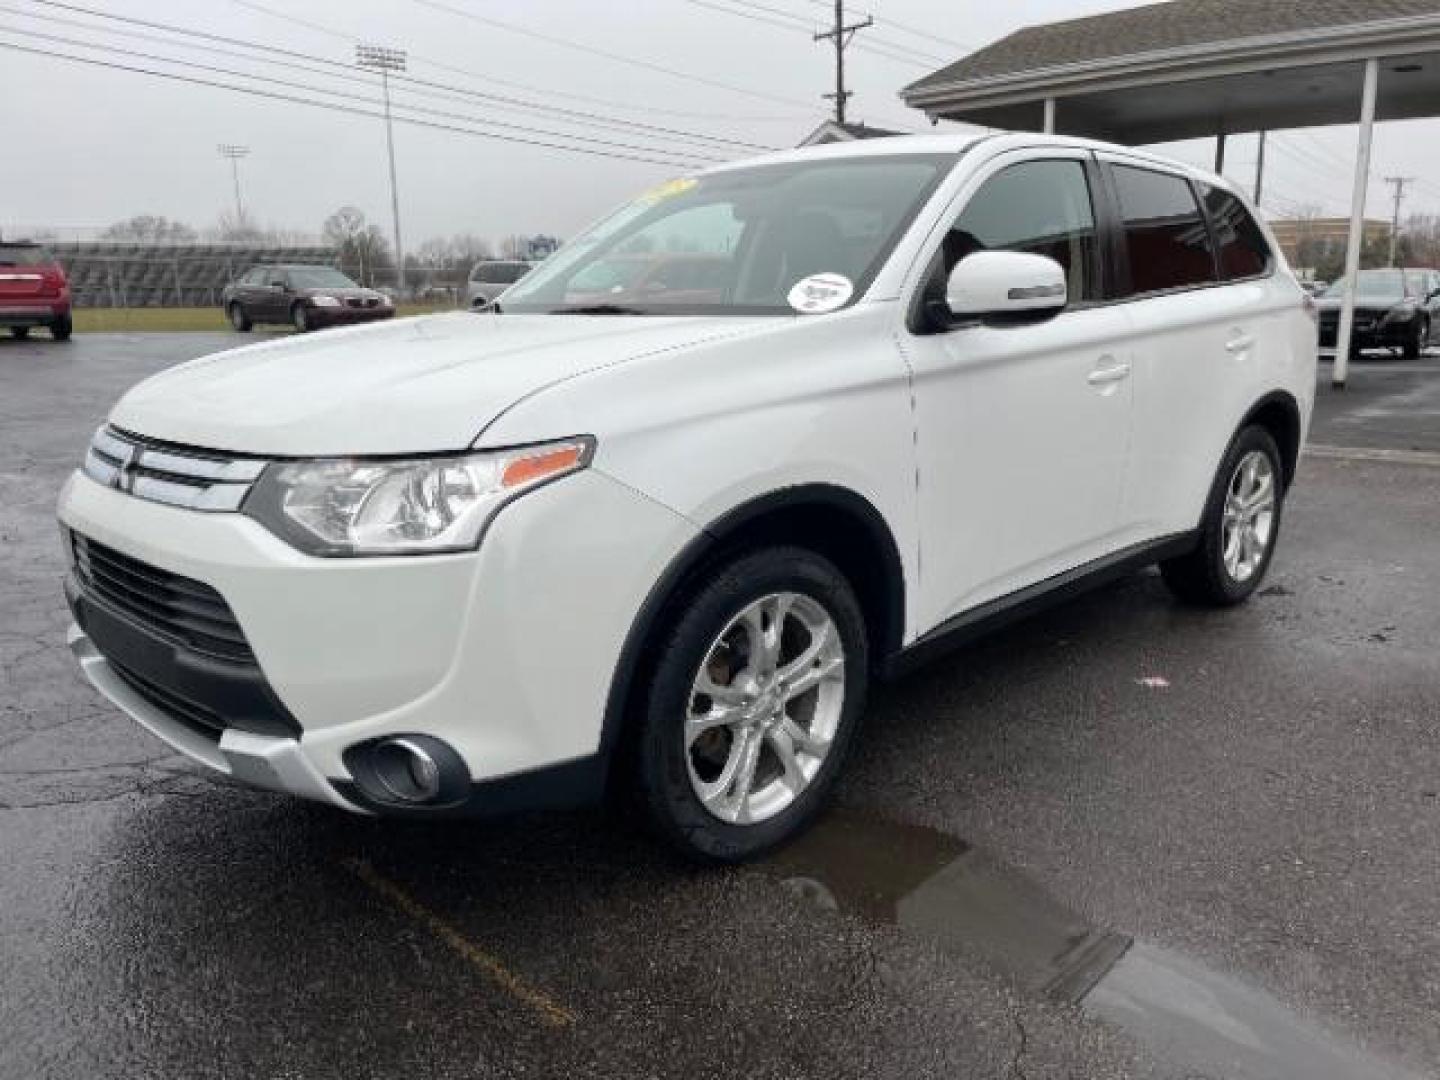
x,y
25,255
1165,234
1244,251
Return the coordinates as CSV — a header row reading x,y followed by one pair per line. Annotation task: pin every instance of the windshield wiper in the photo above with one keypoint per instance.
x,y
597,309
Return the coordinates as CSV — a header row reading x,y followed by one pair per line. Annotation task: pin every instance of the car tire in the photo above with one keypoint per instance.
x,y
789,740
238,319
20,333
1240,527
479,303
62,328
299,318
1419,336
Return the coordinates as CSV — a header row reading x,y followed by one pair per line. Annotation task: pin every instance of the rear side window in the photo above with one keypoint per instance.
x,y
1165,234
1038,207
1244,251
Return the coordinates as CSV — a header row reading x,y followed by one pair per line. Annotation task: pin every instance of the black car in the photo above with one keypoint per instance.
x,y
1394,309
306,297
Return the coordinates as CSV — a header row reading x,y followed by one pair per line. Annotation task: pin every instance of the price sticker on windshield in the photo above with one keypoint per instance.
x,y
667,190
819,293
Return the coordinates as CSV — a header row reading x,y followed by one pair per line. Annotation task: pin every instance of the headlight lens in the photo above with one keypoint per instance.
x,y
325,301
348,507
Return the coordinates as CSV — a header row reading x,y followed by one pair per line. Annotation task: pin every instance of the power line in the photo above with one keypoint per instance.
x,y
335,107
928,35
888,50
591,99
342,71
620,58
683,158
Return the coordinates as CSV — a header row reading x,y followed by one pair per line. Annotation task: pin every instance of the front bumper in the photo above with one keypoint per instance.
x,y
506,653
271,762
1368,333
347,316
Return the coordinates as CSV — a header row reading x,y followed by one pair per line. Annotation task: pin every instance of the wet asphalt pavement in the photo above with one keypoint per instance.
x,y
1243,805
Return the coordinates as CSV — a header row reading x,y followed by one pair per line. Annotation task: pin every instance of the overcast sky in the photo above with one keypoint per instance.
x,y
86,146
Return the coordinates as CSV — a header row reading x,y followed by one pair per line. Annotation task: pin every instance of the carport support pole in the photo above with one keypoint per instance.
x,y
1341,369
1220,153
1049,116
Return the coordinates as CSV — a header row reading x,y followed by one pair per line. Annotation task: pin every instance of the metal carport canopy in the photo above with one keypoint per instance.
x,y
1199,68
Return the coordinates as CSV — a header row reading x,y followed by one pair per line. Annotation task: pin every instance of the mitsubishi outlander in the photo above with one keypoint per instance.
x,y
637,532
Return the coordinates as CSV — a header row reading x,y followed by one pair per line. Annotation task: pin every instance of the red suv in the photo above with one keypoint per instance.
x,y
33,290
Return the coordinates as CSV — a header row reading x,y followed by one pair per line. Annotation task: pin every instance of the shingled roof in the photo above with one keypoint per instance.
x,y
1162,27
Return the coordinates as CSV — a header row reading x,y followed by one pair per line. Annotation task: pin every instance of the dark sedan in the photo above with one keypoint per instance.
x,y
1394,309
306,297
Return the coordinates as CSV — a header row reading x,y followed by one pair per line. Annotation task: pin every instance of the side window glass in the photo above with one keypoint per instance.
x,y
1038,207
1165,236
1244,251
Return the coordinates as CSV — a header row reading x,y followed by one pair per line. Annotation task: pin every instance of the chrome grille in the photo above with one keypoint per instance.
x,y
179,609
174,475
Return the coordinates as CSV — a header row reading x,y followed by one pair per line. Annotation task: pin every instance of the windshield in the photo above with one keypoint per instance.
x,y
319,277
24,255
1392,285
766,240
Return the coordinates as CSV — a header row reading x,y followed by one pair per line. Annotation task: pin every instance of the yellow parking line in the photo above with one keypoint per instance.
x,y
551,1012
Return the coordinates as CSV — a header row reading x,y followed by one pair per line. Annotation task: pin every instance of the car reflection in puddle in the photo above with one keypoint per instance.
x,y
971,905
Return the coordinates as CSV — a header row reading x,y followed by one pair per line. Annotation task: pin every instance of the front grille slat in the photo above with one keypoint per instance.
x,y
148,578
177,613
176,608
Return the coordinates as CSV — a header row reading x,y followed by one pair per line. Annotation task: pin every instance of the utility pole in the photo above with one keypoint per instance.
x,y
1399,183
385,61
841,35
235,153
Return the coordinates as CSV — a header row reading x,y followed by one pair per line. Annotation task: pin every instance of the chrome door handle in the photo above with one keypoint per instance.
x,y
1104,376
1239,343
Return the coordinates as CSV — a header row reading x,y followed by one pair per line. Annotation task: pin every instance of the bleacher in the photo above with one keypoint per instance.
x,y
117,273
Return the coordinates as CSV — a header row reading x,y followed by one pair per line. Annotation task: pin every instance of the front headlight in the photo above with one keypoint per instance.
x,y
325,301
348,507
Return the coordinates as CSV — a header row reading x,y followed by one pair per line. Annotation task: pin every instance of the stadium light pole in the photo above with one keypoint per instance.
x,y
377,58
235,153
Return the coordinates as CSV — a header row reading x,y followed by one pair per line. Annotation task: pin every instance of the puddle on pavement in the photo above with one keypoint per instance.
x,y
939,886
972,905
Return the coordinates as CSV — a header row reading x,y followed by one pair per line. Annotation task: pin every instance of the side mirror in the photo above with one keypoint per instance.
x,y
989,283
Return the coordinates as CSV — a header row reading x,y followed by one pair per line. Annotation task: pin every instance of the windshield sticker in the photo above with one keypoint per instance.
x,y
820,293
668,190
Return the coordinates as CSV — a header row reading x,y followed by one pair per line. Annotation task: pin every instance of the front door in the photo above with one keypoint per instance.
x,y
1023,429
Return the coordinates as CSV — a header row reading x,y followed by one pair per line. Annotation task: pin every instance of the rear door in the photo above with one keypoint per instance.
x,y
1198,279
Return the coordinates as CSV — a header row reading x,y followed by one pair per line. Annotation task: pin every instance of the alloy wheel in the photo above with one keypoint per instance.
x,y
764,708
1249,522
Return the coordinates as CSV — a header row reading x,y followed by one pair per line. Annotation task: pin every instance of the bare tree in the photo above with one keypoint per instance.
x,y
150,228
238,226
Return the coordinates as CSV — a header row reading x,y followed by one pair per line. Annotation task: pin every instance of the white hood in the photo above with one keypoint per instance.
x,y
410,386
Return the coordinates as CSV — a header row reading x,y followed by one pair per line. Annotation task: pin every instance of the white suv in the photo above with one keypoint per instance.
x,y
657,532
